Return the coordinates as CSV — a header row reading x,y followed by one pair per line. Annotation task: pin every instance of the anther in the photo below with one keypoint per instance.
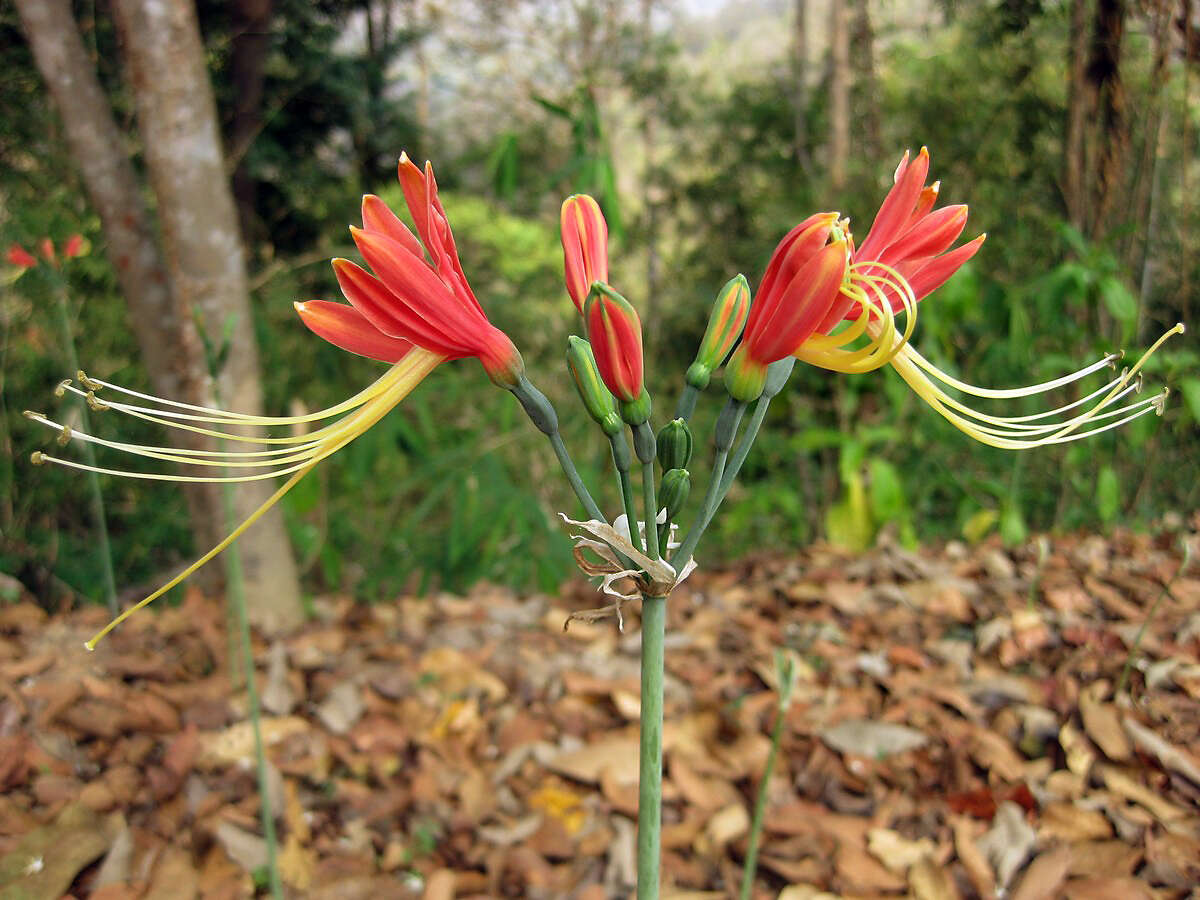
x,y
1138,382
61,390
1113,358
37,457
89,383
64,436
1160,402
35,416
96,404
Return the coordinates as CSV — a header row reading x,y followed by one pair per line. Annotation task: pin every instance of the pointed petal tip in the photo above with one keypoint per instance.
x,y
298,305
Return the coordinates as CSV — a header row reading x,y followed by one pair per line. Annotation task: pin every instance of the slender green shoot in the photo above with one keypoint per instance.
x,y
1137,641
89,455
651,502
786,677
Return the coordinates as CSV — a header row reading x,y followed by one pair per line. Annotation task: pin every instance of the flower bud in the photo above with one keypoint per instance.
x,y
19,256
674,445
595,396
745,377
585,246
615,333
725,324
673,493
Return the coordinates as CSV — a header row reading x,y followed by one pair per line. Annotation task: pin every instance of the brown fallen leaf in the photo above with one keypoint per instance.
x,y
897,852
1102,723
1045,875
44,862
1106,889
1120,783
1071,822
1008,843
874,740
620,755
1171,757
929,881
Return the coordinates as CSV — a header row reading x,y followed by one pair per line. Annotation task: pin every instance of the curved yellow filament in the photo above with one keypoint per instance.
x,y
409,372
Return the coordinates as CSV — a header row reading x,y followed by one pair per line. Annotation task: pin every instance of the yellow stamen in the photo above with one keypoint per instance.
x,y
397,383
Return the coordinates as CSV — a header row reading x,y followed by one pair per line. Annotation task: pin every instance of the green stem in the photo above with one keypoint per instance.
x,y
236,588
1137,641
687,402
744,444
651,510
577,485
620,453
727,425
89,456
649,835
760,807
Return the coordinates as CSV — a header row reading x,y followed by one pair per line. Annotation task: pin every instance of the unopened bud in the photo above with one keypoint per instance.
x,y
597,399
585,246
676,485
725,324
745,378
675,445
615,333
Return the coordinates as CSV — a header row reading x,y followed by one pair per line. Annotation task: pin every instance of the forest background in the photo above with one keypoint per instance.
x,y
705,131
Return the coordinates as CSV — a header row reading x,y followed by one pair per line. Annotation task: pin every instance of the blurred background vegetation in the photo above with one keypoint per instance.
x,y
706,130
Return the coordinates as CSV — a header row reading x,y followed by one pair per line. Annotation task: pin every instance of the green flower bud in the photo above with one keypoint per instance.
x,y
676,485
725,324
745,378
596,397
675,445
637,412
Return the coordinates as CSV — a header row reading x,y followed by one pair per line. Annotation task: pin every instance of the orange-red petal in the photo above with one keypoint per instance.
x,y
347,328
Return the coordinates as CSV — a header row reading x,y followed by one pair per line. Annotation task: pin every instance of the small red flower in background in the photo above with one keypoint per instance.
x,y
19,256
46,247
73,247
585,246
410,300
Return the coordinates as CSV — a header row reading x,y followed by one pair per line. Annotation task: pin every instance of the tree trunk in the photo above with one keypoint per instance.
x,y
839,94
800,81
167,338
868,85
178,122
1079,101
1104,74
247,67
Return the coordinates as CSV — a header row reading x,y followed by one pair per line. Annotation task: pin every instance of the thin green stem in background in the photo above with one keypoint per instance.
x,y
236,588
649,835
687,402
89,456
1137,641
785,670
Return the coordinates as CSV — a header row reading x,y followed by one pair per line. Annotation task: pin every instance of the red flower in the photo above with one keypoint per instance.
x,y
910,237
47,249
19,256
614,330
411,299
585,246
73,246
797,292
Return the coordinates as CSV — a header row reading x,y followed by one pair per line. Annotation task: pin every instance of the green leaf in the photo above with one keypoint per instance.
x,y
888,503
1012,525
848,524
976,528
1190,387
1108,495
1119,301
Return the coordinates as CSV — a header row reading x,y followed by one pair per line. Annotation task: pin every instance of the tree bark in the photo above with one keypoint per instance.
x,y
167,339
1079,101
868,85
839,94
800,81
1104,74
247,68
178,122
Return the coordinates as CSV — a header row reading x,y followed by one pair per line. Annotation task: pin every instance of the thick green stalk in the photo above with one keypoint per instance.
x,y
649,835
89,456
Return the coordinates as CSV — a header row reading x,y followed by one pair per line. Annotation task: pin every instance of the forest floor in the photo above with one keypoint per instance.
x,y
955,731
